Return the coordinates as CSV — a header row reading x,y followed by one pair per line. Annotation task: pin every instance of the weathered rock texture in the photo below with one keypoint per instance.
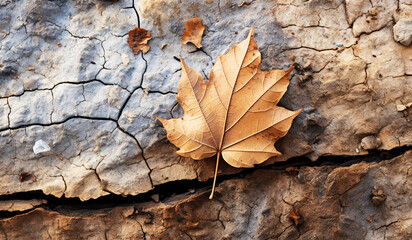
x,y
332,203
68,77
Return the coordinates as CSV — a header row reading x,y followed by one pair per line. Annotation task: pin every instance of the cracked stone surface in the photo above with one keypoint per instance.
x,y
68,77
92,99
4,113
20,205
402,31
88,159
39,110
333,203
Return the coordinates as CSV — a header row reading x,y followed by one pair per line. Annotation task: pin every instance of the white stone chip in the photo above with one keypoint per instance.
x,y
40,146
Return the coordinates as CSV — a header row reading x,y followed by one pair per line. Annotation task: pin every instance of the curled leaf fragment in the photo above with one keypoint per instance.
x,y
138,39
193,32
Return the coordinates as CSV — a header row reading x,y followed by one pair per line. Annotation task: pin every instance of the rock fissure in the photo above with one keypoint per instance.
x,y
163,93
60,83
170,189
8,114
100,180
315,49
65,184
389,23
203,51
59,122
141,149
134,90
71,34
137,14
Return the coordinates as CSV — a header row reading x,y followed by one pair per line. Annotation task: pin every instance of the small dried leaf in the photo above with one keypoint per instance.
x,y
193,32
294,215
138,39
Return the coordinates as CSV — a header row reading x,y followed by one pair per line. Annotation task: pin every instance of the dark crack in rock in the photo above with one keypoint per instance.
x,y
335,203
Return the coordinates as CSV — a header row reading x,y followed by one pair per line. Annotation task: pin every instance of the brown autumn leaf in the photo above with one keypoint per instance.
x,y
235,113
138,39
193,32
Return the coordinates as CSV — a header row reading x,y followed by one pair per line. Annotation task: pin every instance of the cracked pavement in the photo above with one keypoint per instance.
x,y
68,77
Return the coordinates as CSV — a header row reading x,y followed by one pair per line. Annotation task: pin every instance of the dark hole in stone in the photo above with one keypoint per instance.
x,y
25,176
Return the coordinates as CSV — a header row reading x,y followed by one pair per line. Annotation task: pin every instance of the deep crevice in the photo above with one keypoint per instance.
x,y
163,93
137,14
167,190
343,160
67,204
6,214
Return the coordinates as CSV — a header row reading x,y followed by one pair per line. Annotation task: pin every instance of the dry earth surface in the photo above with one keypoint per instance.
x,y
69,78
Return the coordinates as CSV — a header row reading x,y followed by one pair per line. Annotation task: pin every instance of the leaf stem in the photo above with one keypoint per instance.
x,y
214,180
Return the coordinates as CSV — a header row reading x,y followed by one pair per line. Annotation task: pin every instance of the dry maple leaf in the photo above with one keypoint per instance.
x,y
193,32
138,39
235,113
